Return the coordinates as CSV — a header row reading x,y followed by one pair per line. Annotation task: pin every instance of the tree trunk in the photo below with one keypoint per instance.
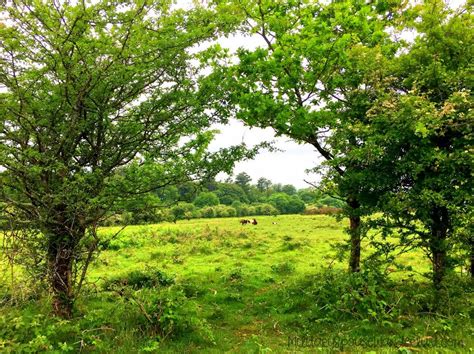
x,y
354,232
64,236
438,244
60,268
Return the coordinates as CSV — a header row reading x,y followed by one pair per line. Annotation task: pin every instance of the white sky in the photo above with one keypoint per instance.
x,y
286,167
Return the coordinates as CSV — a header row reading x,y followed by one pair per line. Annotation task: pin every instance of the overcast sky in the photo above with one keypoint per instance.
x,y
286,167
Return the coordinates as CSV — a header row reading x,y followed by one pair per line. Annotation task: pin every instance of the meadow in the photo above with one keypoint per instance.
x,y
214,285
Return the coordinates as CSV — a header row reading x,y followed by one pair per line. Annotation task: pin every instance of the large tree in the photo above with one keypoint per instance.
x,y
316,72
95,101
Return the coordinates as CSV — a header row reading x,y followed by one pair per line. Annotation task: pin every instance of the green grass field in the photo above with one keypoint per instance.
x,y
213,285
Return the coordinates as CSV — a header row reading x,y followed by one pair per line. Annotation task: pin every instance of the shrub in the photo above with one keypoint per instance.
x,y
235,275
331,202
295,205
195,214
283,268
208,212
287,204
291,246
168,313
140,279
334,296
224,211
165,215
243,209
265,209
252,210
118,243
325,210
179,211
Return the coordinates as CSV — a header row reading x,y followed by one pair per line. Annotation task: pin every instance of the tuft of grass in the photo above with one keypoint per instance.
x,y
140,279
286,267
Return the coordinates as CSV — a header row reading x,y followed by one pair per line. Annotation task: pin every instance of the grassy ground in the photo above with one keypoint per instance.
x,y
213,285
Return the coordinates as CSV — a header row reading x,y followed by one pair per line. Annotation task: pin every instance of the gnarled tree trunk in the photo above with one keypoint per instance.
x,y
62,245
60,261
355,234
438,244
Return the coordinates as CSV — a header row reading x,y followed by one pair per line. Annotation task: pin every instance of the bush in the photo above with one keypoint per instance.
x,y
179,211
251,210
283,268
158,313
36,333
313,210
208,212
244,210
224,211
287,204
140,279
195,214
118,243
265,209
168,313
329,201
165,215
295,205
368,297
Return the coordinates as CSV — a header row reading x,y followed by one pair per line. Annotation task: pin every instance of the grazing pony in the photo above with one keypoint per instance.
x,y
244,221
254,222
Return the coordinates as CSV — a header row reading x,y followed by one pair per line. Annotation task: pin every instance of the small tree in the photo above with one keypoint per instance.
x,y
95,100
230,192
182,210
288,189
295,205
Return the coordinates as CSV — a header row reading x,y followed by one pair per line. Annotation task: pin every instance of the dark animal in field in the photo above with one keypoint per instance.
x,y
245,221
254,222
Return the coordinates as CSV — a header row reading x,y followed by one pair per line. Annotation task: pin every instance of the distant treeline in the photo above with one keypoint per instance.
x,y
234,197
